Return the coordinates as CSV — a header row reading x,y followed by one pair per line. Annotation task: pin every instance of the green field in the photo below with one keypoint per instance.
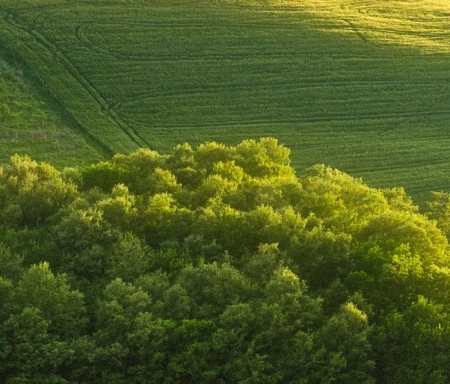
x,y
30,126
359,85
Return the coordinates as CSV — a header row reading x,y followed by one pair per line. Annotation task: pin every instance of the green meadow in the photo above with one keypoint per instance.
x,y
360,85
28,125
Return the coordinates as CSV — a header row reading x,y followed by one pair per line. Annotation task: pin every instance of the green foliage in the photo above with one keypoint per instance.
x,y
205,286
11,265
415,342
30,123
30,192
29,353
62,307
247,273
216,263
439,210
128,259
344,341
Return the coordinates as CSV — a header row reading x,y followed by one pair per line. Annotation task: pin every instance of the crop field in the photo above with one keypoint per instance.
x,y
29,126
361,85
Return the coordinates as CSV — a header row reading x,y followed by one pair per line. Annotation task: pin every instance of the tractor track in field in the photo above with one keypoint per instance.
x,y
302,83
149,56
253,89
79,77
86,29
88,86
292,120
162,72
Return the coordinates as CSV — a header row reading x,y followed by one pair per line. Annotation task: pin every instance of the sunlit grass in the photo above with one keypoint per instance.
x,y
359,85
423,24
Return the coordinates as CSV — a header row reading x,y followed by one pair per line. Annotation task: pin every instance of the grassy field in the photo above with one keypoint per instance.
x,y
30,126
359,85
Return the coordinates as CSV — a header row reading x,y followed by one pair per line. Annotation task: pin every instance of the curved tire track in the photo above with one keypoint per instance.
x,y
92,93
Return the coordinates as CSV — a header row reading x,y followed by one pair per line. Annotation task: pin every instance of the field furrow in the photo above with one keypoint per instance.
x,y
360,85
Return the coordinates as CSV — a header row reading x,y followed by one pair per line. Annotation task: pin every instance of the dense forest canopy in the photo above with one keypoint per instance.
x,y
218,264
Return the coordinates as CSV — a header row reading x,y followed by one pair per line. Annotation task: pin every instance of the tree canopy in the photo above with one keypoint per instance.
x,y
218,264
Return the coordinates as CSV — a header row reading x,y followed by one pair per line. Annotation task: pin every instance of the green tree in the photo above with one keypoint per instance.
x,y
117,312
84,240
439,210
132,170
212,287
321,255
128,259
60,306
207,155
263,158
338,200
184,166
343,349
31,192
390,229
119,209
29,354
413,345
11,264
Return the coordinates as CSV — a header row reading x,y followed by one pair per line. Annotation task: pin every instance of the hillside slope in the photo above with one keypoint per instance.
x,y
28,125
359,85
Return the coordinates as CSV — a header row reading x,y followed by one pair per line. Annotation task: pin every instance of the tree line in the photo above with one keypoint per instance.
x,y
218,264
